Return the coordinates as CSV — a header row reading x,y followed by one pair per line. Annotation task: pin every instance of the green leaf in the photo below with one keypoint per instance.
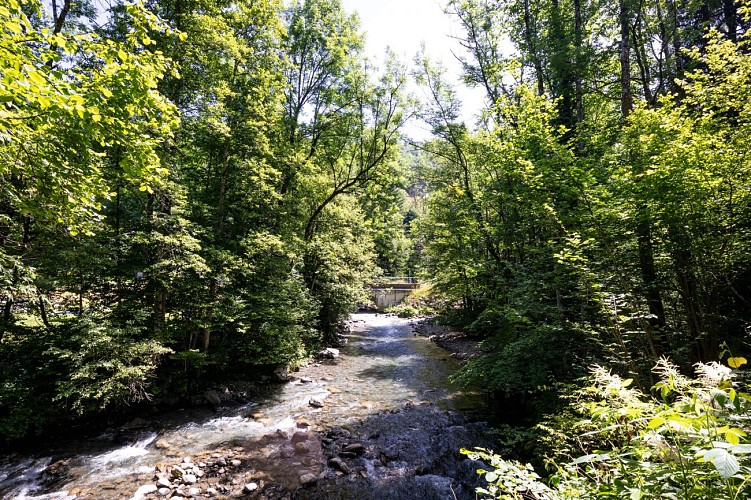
x,y
736,362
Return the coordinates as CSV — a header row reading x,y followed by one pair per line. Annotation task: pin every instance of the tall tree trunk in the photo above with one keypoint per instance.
x,y
731,19
578,61
158,202
627,100
685,270
531,39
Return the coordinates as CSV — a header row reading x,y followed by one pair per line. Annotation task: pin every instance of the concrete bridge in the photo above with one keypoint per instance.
x,y
389,291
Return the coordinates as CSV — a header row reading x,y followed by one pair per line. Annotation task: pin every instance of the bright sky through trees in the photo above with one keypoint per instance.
x,y
403,25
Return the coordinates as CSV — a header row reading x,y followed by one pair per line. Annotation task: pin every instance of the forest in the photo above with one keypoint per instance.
x,y
197,191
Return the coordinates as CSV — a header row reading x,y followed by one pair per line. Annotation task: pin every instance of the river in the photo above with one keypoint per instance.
x,y
378,421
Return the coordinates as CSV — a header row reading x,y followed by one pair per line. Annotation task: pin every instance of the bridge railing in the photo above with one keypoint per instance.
x,y
395,279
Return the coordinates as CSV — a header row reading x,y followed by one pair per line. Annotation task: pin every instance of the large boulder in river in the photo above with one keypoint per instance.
x,y
213,397
281,373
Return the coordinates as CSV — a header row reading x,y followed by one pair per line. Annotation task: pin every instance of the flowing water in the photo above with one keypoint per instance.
x,y
386,382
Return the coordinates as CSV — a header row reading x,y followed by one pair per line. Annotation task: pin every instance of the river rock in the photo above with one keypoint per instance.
x,y
221,461
177,471
144,490
306,380
211,492
302,448
136,423
339,464
189,479
250,488
212,397
299,437
281,372
236,463
316,403
356,448
307,479
329,353
194,491
164,491
162,444
170,400
163,482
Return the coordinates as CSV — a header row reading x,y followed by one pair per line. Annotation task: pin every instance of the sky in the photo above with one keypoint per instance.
x,y
403,25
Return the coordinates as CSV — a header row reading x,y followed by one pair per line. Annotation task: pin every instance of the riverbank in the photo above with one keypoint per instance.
x,y
462,346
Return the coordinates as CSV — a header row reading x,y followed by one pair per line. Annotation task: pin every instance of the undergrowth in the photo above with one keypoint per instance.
x,y
687,439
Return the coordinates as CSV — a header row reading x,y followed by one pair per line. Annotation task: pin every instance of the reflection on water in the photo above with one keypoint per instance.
x,y
383,366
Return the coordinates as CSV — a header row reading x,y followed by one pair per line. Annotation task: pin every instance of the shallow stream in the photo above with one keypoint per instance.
x,y
387,395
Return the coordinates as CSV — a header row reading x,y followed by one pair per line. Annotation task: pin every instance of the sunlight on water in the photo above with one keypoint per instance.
x,y
122,455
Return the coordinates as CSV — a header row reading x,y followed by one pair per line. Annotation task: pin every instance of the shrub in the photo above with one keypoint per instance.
x,y
688,441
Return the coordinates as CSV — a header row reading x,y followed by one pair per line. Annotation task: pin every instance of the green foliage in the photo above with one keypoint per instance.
x,y
689,440
79,366
509,479
688,443
103,364
58,120
403,311
187,251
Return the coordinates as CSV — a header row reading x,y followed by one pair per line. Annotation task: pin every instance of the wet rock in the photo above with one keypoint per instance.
x,y
339,464
356,448
316,403
299,437
136,423
438,485
308,479
250,488
302,448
